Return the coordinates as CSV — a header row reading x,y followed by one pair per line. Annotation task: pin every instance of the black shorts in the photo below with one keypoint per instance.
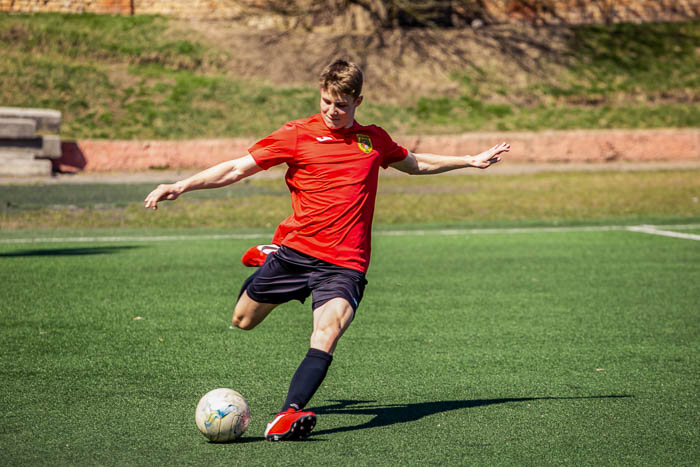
x,y
291,275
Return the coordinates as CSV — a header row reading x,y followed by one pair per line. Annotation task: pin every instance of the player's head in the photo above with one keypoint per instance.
x,y
341,93
342,77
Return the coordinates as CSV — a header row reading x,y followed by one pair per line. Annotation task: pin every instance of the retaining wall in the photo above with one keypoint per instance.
x,y
581,146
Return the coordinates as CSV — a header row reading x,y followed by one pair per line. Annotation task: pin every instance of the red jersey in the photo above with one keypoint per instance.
x,y
332,178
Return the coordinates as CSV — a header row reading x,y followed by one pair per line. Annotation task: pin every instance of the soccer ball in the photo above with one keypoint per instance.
x,y
222,415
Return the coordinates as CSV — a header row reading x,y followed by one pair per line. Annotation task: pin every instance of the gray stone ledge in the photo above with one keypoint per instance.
x,y
46,119
23,164
17,128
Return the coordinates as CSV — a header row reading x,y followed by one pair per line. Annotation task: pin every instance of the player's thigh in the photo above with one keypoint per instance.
x,y
277,282
248,313
336,282
331,320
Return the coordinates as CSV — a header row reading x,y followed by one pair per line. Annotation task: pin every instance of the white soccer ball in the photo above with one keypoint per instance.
x,y
222,415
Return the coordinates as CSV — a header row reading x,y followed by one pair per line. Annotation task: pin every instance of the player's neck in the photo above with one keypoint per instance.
x,y
342,129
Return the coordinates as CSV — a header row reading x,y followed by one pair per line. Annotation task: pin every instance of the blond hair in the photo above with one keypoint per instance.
x,y
342,77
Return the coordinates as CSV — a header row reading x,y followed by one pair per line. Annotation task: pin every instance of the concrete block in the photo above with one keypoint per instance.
x,y
17,128
11,156
46,119
50,147
45,147
23,164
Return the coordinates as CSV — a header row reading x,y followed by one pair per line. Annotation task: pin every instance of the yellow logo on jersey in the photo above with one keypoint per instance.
x,y
364,143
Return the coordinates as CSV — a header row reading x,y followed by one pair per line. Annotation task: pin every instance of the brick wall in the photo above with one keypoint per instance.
x,y
550,11
179,8
577,146
68,6
189,8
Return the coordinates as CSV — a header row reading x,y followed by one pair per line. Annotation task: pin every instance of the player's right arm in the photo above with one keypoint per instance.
x,y
219,175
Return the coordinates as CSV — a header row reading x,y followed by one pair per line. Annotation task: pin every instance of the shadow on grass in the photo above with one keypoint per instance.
x,y
100,250
401,413
391,414
242,440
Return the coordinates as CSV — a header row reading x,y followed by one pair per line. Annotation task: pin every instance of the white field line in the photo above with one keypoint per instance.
x,y
136,238
447,232
650,229
379,233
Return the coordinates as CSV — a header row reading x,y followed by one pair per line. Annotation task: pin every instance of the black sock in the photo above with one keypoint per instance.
x,y
307,379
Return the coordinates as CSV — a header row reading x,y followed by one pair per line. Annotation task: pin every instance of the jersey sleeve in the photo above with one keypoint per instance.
x,y
389,150
277,148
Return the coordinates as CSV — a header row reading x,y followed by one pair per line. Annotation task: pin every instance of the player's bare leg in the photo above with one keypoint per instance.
x,y
248,313
330,322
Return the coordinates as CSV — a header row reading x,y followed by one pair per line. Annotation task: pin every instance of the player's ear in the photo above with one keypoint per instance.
x,y
358,101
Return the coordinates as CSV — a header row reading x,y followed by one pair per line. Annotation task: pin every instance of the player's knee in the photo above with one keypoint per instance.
x,y
324,339
329,329
328,333
243,322
247,314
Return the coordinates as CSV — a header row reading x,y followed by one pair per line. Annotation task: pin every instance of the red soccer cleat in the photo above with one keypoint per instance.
x,y
256,255
290,425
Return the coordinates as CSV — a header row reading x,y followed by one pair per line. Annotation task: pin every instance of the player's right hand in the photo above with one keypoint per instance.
x,y
162,192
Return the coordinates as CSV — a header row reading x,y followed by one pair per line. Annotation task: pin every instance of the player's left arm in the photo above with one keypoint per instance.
x,y
424,164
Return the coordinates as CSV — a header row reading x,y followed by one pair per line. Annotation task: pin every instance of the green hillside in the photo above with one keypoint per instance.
x,y
153,77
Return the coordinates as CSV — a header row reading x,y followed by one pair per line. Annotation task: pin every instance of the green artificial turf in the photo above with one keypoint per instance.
x,y
576,348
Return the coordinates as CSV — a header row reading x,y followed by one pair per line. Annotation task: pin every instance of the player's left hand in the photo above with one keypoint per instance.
x,y
489,157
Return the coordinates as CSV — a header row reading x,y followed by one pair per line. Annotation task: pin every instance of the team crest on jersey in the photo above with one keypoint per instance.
x,y
364,143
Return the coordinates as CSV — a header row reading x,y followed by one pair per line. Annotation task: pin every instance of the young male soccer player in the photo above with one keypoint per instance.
x,y
333,165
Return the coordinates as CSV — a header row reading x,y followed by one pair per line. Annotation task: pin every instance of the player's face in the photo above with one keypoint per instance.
x,y
338,111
